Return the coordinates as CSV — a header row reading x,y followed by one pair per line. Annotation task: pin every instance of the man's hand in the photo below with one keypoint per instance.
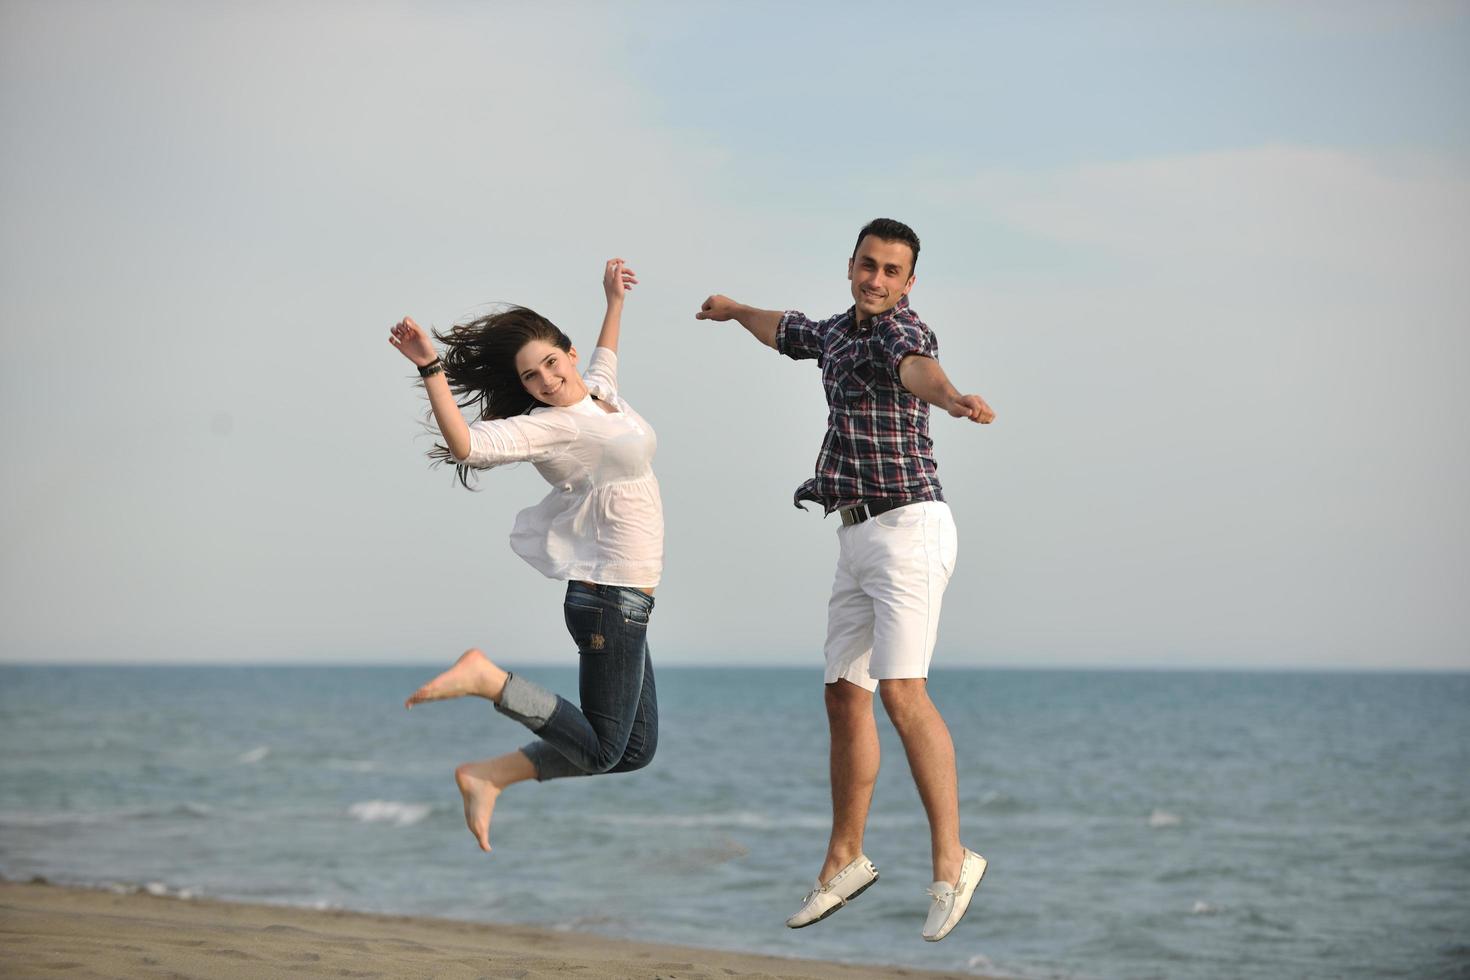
x,y
922,375
718,307
972,407
762,324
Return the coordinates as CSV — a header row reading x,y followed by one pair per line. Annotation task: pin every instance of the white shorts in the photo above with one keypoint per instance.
x,y
883,617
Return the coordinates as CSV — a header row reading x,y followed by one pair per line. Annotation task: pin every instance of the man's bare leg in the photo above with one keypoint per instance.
x,y
480,783
473,674
854,764
930,752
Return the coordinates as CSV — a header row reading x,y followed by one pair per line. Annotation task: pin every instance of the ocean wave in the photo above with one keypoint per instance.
x,y
160,890
352,765
1163,818
702,858
1208,871
998,802
1254,917
27,819
254,755
589,923
389,811
758,820
985,966
747,819
197,811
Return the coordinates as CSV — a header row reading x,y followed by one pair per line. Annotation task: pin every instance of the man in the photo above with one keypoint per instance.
x,y
897,547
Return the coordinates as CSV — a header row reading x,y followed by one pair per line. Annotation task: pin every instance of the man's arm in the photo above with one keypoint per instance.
x,y
923,376
762,324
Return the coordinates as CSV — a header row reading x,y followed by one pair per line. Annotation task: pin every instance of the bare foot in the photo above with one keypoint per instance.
x,y
473,673
481,783
478,787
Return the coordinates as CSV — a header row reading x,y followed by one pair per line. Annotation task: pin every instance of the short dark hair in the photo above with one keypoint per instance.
x,y
890,231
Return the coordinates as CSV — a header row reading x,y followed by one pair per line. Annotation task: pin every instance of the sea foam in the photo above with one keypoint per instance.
x,y
389,811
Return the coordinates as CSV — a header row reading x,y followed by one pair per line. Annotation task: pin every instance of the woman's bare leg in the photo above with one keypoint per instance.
x,y
480,783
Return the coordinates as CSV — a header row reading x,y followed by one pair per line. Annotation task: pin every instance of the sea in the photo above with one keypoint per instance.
x,y
1138,824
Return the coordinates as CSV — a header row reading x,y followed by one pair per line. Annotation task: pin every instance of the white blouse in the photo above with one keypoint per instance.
x,y
603,520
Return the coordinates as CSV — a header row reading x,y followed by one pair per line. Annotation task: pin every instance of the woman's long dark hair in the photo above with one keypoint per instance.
x,y
480,366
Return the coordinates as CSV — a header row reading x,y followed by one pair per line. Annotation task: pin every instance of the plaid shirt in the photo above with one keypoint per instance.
x,y
877,445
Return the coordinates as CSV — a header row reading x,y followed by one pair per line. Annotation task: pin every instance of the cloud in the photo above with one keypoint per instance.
x,y
1227,386
1218,374
1369,215
239,203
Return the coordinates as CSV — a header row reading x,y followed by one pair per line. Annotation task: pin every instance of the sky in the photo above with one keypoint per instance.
x,y
1206,260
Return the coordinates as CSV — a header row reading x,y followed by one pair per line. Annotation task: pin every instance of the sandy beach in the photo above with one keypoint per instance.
x,y
47,930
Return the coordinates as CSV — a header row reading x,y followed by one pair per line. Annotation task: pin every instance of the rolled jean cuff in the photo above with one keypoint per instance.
x,y
527,703
549,763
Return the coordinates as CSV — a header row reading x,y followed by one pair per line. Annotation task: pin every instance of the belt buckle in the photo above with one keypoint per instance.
x,y
854,515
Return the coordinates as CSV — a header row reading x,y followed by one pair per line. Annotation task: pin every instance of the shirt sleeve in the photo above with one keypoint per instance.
x,y
799,338
601,376
902,336
524,438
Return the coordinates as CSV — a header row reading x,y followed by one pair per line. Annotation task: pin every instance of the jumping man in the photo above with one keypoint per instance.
x,y
897,549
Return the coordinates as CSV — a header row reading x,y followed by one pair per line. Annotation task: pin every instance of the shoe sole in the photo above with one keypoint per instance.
x,y
836,908
963,910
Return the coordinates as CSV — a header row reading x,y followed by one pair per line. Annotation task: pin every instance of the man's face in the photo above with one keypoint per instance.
x,y
881,274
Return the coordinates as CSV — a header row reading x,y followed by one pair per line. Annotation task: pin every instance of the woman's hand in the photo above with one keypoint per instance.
x,y
411,341
617,280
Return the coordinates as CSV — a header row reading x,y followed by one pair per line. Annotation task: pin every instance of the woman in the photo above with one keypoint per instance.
x,y
600,529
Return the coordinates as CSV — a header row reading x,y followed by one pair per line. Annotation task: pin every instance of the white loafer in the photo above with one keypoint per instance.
x,y
845,885
952,901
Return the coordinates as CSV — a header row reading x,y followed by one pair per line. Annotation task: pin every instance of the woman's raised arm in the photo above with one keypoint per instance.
x,y
411,341
617,280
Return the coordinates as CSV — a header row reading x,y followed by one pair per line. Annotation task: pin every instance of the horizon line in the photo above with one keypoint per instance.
x,y
814,668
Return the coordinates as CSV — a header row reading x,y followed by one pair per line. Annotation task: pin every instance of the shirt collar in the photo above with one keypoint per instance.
x,y
900,307
587,407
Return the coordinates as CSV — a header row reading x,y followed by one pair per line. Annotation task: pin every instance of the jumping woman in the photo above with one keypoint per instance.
x,y
600,530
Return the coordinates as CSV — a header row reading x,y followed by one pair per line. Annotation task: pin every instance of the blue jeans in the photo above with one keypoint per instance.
x,y
616,727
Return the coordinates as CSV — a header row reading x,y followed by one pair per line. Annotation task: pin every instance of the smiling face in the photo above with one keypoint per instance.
x,y
549,374
882,273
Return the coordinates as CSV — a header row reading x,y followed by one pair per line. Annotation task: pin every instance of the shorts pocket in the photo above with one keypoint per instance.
x,y
910,516
949,546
